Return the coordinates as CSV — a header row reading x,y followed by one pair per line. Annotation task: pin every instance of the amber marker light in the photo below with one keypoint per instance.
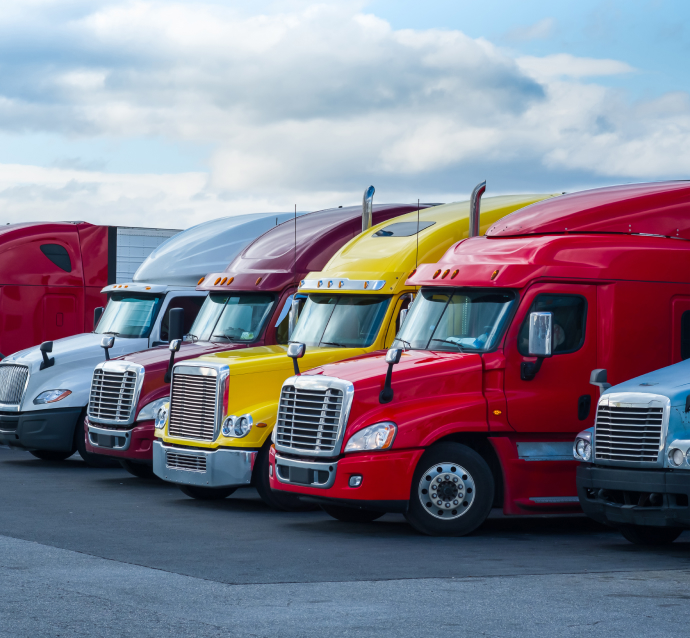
x,y
258,281
498,412
216,282
261,425
340,285
222,283
455,274
201,281
436,274
330,283
494,274
412,273
148,287
230,280
319,284
366,285
445,274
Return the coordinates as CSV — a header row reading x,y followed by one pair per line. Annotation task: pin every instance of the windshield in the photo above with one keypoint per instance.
x,y
460,320
129,315
344,321
231,317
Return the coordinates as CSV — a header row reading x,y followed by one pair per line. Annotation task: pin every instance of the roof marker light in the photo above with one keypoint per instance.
x,y
340,285
494,274
198,283
330,283
258,281
366,285
215,283
437,273
148,287
445,274
230,280
455,274
222,283
412,273
319,284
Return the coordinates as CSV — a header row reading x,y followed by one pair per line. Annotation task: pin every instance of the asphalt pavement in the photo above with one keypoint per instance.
x,y
87,552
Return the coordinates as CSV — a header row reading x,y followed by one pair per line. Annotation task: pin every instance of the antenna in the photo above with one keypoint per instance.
x,y
294,262
416,257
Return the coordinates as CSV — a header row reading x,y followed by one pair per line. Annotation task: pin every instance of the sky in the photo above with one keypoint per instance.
x,y
166,114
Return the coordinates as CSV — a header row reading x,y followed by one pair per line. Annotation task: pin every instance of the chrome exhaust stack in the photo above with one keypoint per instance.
x,y
367,206
475,200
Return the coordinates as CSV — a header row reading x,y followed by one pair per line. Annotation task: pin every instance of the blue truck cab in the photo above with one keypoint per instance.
x,y
634,471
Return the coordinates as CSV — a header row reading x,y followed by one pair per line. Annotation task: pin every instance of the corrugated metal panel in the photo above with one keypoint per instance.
x,y
134,245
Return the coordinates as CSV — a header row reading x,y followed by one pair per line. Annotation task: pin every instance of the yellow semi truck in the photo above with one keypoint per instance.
x,y
214,436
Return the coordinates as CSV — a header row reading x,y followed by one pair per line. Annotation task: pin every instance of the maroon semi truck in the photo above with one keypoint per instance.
x,y
257,291
52,274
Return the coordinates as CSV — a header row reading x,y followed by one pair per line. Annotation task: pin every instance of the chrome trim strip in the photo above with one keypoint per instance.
x,y
119,367
555,499
545,451
331,468
341,283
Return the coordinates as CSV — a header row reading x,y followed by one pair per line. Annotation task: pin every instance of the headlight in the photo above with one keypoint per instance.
x,y
51,396
375,437
150,411
237,426
583,450
675,457
162,416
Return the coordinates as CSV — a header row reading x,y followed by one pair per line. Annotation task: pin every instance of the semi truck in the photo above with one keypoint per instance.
x,y
52,275
44,390
477,403
251,303
634,471
223,407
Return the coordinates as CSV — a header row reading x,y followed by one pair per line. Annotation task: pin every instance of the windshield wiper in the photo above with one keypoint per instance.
x,y
194,337
111,332
405,343
333,343
452,343
225,337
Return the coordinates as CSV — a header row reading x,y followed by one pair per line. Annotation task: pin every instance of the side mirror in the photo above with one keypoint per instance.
x,y
106,344
540,334
392,358
45,348
296,351
175,345
292,317
175,324
97,314
598,378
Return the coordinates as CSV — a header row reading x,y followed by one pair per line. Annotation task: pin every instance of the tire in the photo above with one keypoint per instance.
x,y
92,460
140,470
51,455
206,493
281,501
350,514
465,489
650,536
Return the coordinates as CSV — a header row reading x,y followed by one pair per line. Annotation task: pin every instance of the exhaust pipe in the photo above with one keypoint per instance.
x,y
367,204
475,200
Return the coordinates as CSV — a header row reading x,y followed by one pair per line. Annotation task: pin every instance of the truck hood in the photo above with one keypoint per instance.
x,y
430,388
672,382
75,358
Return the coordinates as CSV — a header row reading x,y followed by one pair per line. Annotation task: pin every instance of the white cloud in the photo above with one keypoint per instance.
x,y
307,104
538,31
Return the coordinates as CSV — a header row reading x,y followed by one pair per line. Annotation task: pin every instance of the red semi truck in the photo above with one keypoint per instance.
x,y
496,367
256,291
52,274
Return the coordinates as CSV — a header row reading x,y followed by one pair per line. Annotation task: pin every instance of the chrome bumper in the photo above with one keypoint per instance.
x,y
305,473
109,439
213,468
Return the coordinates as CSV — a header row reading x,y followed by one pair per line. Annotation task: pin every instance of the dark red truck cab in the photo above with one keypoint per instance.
x,y
270,268
495,369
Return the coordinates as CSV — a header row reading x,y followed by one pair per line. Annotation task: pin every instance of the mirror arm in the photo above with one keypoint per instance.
x,y
295,365
529,369
386,395
168,372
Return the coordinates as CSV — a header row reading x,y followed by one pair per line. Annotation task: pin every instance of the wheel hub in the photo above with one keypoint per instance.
x,y
446,491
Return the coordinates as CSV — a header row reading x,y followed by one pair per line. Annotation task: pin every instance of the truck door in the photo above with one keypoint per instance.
x,y
559,398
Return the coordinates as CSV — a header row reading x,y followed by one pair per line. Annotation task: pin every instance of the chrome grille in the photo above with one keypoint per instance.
x,y
113,395
628,433
12,383
182,461
193,407
309,419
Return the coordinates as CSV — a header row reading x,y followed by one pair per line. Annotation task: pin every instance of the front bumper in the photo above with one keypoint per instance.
x,y
135,444
205,468
40,430
620,496
385,486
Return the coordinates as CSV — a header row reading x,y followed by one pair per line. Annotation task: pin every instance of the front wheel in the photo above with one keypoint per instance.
x,y
140,470
51,455
452,491
206,493
281,501
650,536
350,514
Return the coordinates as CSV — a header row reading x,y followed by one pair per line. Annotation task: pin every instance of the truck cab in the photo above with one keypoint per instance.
x,y
354,306
44,390
488,381
251,303
634,471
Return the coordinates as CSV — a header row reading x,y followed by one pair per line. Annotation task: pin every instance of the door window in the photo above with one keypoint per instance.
x,y
191,307
569,314
58,255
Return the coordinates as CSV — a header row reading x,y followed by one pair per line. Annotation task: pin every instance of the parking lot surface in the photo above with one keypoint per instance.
x,y
86,552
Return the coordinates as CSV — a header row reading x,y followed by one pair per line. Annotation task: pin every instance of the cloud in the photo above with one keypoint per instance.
x,y
540,30
307,103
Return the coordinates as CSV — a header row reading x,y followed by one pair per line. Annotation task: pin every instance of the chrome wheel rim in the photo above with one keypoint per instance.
x,y
446,491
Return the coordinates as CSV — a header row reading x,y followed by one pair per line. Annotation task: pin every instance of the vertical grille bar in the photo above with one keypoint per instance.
x,y
12,383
